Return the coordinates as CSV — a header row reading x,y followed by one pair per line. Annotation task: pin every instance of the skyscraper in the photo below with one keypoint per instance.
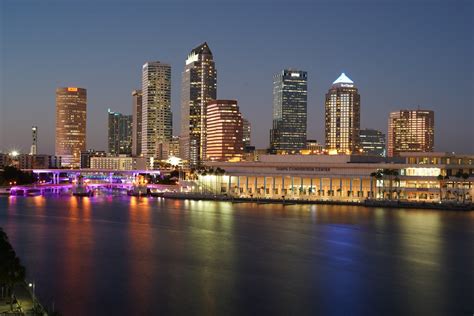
x,y
290,94
199,86
342,116
34,143
224,131
410,131
157,125
137,123
372,142
71,119
247,131
120,133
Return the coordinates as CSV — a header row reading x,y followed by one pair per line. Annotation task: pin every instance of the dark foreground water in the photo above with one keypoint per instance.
x,y
124,256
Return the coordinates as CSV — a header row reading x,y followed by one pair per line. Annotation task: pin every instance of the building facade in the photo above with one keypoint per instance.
x,y
34,140
137,123
157,125
224,131
426,177
247,132
410,131
342,117
199,86
119,133
372,142
71,125
38,161
88,154
119,163
290,94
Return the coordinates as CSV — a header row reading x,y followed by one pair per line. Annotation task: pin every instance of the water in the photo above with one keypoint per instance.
x,y
124,256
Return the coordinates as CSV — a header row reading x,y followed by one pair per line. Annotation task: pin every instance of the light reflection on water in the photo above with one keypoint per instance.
x,y
128,255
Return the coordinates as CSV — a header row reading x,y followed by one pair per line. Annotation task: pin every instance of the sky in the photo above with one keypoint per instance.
x,y
400,54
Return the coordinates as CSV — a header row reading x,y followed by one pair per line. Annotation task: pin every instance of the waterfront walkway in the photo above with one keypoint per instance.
x,y
23,304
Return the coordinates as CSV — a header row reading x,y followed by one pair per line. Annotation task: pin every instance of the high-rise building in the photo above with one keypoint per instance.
x,y
342,116
410,131
290,94
137,123
199,86
157,125
247,132
224,131
71,119
34,139
120,133
372,142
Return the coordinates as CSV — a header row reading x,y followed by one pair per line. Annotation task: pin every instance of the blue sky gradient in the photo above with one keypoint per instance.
x,y
400,54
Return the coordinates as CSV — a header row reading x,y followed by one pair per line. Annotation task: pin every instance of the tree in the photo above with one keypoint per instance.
x,y
11,270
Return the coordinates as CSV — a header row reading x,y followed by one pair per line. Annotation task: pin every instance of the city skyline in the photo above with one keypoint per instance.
x,y
383,89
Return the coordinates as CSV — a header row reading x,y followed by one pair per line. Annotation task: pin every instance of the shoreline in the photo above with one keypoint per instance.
x,y
366,203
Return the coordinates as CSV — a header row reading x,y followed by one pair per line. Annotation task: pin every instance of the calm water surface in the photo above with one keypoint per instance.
x,y
124,256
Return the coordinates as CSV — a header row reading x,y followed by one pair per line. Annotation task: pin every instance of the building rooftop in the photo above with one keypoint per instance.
x,y
343,79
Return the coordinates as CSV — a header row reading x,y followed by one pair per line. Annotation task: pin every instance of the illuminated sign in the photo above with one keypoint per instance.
x,y
72,89
295,74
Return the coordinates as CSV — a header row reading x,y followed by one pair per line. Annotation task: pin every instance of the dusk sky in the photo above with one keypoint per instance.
x,y
400,54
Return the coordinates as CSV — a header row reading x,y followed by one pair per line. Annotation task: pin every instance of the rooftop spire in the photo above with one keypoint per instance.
x,y
343,79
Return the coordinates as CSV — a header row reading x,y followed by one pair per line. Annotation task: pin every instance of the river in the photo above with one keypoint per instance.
x,y
127,256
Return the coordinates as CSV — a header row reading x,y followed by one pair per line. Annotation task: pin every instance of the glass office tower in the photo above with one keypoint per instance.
x,y
199,86
290,94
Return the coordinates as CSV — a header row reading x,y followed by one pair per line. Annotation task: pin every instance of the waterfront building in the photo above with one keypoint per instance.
x,y
429,177
71,123
137,123
120,163
410,131
247,131
342,116
38,161
199,86
34,140
157,125
88,154
224,131
290,94
372,142
119,133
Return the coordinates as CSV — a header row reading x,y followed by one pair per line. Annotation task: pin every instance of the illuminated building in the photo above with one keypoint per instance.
x,y
372,142
247,132
426,177
119,133
224,131
119,163
199,86
71,120
342,116
313,146
410,131
290,92
156,109
34,144
137,123
87,155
